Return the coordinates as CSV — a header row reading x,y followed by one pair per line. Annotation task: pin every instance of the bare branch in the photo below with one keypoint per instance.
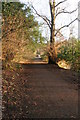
x,y
60,3
47,19
65,26
43,17
63,11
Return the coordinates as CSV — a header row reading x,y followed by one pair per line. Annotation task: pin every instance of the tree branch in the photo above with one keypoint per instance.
x,y
43,17
47,19
60,3
65,26
66,12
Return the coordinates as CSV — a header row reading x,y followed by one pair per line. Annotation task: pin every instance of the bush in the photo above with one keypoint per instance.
x,y
70,52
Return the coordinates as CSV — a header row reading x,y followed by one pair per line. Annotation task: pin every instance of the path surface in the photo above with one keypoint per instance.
x,y
49,92
40,91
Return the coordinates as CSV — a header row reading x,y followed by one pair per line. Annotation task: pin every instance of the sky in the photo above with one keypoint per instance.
x,y
42,6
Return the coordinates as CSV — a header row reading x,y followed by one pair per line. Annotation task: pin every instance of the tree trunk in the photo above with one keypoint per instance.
x,y
52,52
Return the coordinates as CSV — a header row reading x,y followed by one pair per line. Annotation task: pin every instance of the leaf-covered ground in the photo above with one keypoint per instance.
x,y
14,91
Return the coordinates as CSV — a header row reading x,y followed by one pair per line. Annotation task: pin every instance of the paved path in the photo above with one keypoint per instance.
x,y
50,94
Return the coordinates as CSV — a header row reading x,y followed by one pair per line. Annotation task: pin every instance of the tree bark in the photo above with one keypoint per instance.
x,y
52,52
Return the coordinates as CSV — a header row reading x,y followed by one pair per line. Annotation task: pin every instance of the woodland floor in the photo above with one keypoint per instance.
x,y
40,91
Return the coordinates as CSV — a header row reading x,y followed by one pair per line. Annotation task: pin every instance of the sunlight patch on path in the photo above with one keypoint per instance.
x,y
35,61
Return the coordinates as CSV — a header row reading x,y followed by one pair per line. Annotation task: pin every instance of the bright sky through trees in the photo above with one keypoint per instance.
x,y
42,6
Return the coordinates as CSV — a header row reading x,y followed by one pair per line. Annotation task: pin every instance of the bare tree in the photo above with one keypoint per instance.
x,y
51,25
